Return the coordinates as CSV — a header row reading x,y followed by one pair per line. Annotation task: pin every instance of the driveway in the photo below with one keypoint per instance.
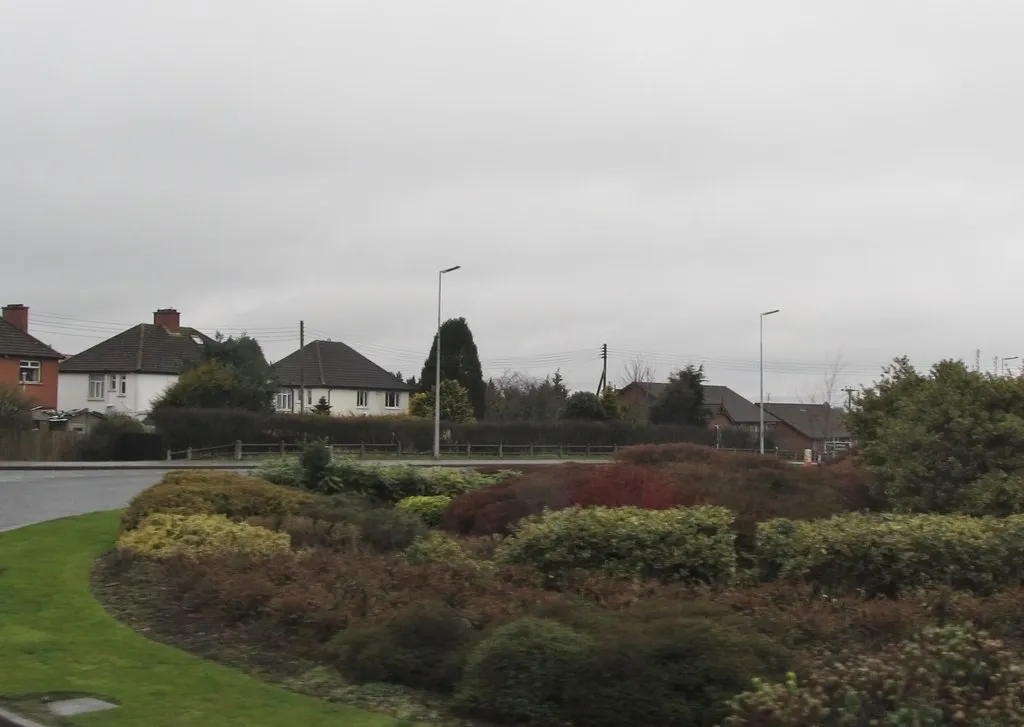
x,y
28,497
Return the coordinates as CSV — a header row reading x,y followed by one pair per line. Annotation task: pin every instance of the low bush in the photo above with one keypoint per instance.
x,y
194,492
435,547
946,676
890,554
196,536
518,674
424,645
345,522
429,508
383,483
496,509
690,545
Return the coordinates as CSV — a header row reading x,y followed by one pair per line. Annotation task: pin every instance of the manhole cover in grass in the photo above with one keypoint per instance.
x,y
80,705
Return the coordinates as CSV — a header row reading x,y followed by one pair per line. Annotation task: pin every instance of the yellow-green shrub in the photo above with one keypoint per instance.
x,y
691,544
428,507
887,554
164,535
194,492
436,547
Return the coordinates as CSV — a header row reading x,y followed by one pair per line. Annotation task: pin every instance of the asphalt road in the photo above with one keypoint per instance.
x,y
28,497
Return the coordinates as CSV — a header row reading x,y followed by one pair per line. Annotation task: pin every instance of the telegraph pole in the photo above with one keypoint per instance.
x,y
849,396
302,366
604,369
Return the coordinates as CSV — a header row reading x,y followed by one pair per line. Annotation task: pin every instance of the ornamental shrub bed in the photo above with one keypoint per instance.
x,y
497,508
889,554
196,536
213,492
690,545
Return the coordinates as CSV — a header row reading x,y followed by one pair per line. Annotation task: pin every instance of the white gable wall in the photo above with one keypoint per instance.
x,y
344,402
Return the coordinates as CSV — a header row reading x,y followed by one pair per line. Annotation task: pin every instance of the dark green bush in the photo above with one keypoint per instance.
x,y
423,646
315,462
104,440
518,674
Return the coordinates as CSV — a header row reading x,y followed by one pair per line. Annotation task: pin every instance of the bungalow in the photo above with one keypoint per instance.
x,y
725,407
820,428
349,382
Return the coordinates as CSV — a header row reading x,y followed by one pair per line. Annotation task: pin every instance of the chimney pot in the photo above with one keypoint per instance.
x,y
17,315
169,318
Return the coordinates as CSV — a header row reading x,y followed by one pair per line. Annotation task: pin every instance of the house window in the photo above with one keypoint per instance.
x,y
122,385
96,384
283,401
362,399
30,372
392,399
309,396
113,382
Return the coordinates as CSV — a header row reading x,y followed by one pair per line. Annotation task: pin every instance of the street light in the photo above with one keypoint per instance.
x,y
760,429
1008,358
437,379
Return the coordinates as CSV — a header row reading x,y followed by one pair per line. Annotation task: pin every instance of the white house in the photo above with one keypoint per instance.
x,y
351,383
127,373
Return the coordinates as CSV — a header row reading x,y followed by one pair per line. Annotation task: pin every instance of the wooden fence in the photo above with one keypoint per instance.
x,y
37,445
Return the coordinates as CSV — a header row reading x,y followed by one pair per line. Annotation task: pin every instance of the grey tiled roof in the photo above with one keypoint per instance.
x,y
334,365
145,348
15,342
737,408
815,421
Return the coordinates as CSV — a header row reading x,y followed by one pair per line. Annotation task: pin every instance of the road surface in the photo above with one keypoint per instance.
x,y
28,496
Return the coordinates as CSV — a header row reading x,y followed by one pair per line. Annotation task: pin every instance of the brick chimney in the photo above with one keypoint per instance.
x,y
169,318
17,315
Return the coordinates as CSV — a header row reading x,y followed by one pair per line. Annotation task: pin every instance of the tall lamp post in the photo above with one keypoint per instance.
x,y
437,376
760,428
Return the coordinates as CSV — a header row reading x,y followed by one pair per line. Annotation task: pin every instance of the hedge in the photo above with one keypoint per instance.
x,y
182,428
694,544
890,554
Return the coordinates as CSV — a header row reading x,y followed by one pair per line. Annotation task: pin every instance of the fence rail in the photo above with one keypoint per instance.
x,y
240,451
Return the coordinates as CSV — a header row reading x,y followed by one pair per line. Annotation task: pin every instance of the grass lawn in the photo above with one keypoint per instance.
x,y
54,637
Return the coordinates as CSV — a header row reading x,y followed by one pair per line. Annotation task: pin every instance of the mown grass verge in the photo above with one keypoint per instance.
x,y
56,638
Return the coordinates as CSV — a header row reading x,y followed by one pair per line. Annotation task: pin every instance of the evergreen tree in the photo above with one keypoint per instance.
x,y
322,407
460,362
583,405
610,404
683,399
233,374
455,406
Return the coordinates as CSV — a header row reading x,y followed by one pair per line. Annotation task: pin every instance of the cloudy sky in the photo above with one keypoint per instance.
x,y
650,175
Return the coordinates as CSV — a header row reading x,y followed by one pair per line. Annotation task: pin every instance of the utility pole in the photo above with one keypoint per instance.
x,y
604,369
977,359
849,396
302,366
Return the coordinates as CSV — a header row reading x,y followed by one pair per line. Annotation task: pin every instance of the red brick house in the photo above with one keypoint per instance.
x,y
817,427
726,408
26,361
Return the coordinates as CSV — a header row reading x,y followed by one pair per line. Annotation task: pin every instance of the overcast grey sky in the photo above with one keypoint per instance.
x,y
650,175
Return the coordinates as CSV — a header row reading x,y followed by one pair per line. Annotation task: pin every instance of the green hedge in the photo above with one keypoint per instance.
x,y
888,554
693,544
428,507
183,428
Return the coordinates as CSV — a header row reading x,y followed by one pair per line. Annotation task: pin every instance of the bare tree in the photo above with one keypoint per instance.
x,y
638,370
515,396
15,408
822,411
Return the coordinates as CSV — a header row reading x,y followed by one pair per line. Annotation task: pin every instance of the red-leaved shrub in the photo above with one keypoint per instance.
x,y
497,508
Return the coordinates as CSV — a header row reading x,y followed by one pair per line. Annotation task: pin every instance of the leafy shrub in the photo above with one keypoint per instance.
x,y
346,522
654,669
423,645
889,554
194,492
694,544
496,509
315,462
429,508
195,536
281,471
518,674
435,547
997,493
104,440
946,676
